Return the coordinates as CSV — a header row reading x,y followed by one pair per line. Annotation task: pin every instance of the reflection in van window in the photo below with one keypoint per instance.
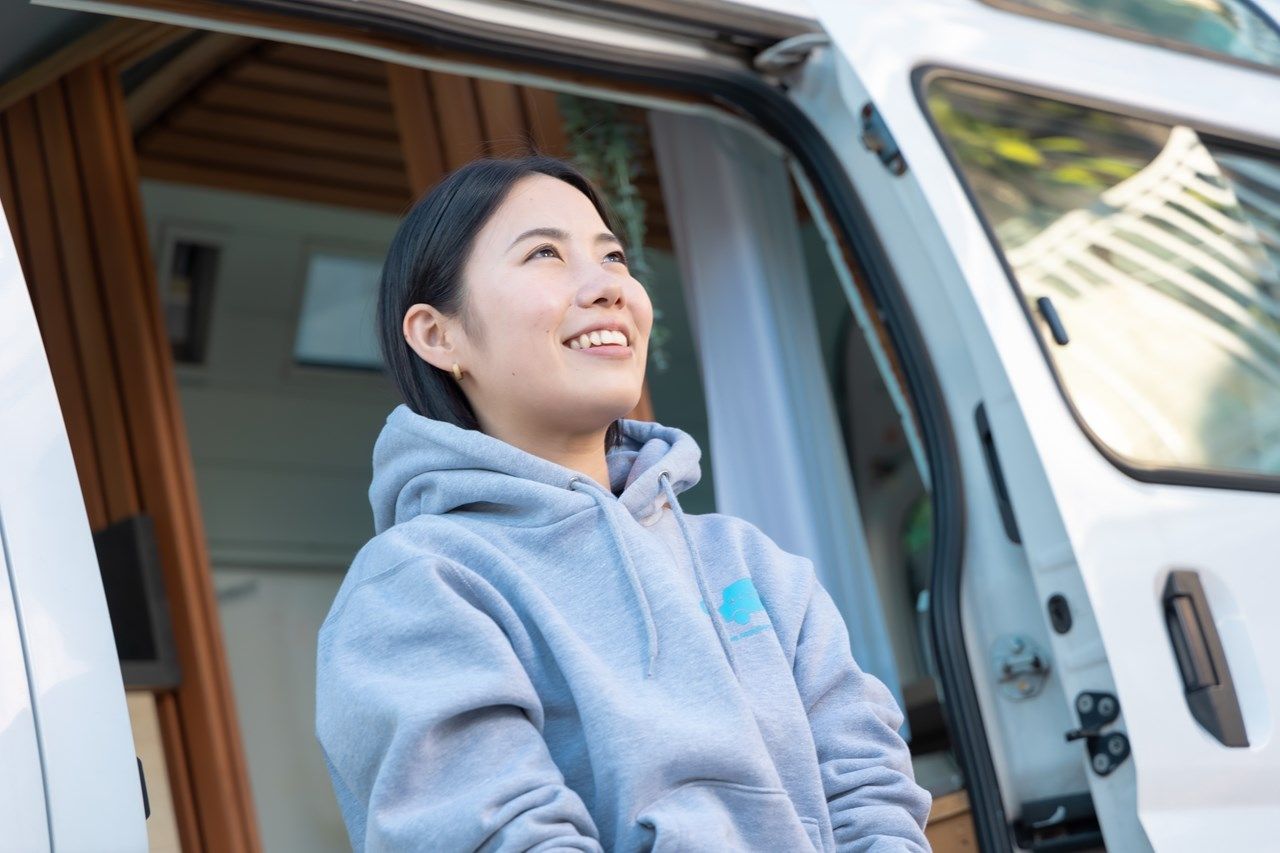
x,y
1233,28
1160,253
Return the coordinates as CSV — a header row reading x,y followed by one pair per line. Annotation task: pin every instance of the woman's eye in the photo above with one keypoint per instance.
x,y
537,253
621,258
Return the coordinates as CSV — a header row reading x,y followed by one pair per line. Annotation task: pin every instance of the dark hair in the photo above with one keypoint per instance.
x,y
425,263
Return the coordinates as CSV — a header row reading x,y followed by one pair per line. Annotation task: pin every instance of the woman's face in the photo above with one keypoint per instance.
x,y
543,270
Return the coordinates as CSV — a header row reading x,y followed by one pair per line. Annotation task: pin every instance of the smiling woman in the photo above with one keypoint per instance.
x,y
539,648
492,274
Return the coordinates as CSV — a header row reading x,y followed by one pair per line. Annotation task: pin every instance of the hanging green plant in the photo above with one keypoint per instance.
x,y
605,142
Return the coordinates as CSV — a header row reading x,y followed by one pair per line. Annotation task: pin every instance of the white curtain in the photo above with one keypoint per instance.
x,y
775,438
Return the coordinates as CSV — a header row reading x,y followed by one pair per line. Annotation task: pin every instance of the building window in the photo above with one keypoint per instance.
x,y
339,304
187,271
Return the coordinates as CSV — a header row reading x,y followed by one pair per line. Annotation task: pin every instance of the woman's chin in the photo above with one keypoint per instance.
x,y
598,413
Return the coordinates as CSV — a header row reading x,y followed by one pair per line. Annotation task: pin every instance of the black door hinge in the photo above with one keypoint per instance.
x,y
1106,751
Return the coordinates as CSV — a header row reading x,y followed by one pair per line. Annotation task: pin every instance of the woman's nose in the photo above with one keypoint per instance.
x,y
601,286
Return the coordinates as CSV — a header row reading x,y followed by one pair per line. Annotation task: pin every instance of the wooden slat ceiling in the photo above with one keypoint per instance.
x,y
321,126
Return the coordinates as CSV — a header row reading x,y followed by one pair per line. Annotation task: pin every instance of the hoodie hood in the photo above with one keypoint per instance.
x,y
427,466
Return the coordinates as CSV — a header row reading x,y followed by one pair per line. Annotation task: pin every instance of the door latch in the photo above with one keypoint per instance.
x,y
1106,751
1023,667
878,140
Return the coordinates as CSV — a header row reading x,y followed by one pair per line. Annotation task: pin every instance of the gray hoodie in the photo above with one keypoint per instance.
x,y
523,660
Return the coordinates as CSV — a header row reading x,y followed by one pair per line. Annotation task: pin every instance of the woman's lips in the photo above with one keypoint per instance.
x,y
606,351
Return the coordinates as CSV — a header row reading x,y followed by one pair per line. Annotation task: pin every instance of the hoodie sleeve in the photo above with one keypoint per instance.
x,y
875,804
431,727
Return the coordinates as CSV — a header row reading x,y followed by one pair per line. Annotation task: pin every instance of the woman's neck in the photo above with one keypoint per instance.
x,y
577,451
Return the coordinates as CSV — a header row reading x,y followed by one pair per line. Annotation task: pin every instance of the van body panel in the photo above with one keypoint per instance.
x,y
22,804
1105,539
91,790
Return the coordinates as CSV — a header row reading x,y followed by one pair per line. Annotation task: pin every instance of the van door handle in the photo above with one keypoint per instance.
x,y
1206,678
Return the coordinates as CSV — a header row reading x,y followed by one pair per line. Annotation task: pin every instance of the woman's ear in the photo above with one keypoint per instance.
x,y
433,336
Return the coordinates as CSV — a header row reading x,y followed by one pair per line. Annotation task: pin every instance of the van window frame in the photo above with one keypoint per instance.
x,y
921,76
1137,36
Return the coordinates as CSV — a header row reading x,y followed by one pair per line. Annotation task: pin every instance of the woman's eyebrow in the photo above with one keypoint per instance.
x,y
558,234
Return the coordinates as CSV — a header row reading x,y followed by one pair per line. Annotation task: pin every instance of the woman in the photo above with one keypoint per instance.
x,y
539,650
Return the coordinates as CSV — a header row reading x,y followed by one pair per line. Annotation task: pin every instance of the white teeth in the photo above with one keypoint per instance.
x,y
598,338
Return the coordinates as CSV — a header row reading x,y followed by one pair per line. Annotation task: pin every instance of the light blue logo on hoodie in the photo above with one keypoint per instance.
x,y
741,601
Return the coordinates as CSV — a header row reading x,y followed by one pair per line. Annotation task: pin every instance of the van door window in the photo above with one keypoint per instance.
x,y
1148,256
1234,28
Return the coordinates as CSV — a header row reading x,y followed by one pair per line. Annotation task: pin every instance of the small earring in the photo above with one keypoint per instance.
x,y
457,372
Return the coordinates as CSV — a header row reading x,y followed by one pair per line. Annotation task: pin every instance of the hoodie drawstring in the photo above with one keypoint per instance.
x,y
619,544
665,479
651,629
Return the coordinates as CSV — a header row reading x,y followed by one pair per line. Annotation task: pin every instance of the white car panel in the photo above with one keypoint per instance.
x,y
91,781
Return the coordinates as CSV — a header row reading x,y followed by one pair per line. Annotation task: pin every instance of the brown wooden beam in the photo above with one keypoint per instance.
x,y
328,62
145,43
543,117
180,75
82,302
265,131
304,109
506,132
419,133
457,118
331,87
168,495
177,145
92,45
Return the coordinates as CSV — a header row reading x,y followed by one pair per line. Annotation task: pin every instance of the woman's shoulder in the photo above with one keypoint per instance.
x,y
734,529
406,549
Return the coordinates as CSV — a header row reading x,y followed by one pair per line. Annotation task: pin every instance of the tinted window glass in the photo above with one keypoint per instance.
x,y
1158,250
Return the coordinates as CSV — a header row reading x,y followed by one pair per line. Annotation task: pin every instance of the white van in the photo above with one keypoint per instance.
x,y
1058,226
